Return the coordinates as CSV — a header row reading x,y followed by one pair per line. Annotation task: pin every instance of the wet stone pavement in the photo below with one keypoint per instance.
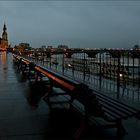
x,y
21,120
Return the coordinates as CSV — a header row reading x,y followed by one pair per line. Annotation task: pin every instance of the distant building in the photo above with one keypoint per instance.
x,y
4,39
43,47
62,47
26,45
49,47
22,47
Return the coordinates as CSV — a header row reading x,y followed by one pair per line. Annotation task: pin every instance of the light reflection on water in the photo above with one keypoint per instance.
x,y
3,66
7,74
3,58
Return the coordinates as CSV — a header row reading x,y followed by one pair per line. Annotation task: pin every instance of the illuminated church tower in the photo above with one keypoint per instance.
x,y
4,39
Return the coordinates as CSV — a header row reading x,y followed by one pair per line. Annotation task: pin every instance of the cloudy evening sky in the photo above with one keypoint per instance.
x,y
78,24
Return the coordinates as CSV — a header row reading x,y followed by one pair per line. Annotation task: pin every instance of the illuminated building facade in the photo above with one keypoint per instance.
x,y
4,39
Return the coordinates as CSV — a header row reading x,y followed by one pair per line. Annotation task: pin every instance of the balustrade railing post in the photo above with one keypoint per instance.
x,y
73,67
49,55
118,76
84,74
100,77
42,58
63,63
56,61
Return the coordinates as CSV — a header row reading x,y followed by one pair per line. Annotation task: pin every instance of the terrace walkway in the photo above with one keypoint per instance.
x,y
19,120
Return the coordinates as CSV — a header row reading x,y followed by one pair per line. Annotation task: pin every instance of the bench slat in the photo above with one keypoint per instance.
x,y
115,108
117,103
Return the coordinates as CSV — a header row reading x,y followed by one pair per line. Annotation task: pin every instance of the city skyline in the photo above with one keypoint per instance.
x,y
77,24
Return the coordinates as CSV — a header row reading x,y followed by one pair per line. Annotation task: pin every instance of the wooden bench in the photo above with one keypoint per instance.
x,y
75,89
115,111
21,63
26,67
95,103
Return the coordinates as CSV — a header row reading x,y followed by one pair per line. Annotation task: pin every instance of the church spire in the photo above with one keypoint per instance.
x,y
4,35
4,27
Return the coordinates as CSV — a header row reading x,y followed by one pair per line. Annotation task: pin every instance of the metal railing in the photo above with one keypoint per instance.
x,y
111,71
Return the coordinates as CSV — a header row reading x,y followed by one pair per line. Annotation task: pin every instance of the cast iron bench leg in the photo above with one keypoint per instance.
x,y
120,129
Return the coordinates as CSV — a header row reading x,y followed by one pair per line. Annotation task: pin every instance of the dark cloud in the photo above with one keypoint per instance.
x,y
74,23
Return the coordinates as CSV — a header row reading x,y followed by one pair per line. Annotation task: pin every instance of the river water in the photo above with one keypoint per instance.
x,y
5,68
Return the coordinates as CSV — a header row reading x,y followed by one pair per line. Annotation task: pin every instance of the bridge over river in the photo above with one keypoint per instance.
x,y
20,120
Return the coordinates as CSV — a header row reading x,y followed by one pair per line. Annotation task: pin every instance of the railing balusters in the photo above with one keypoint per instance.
x,y
108,70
